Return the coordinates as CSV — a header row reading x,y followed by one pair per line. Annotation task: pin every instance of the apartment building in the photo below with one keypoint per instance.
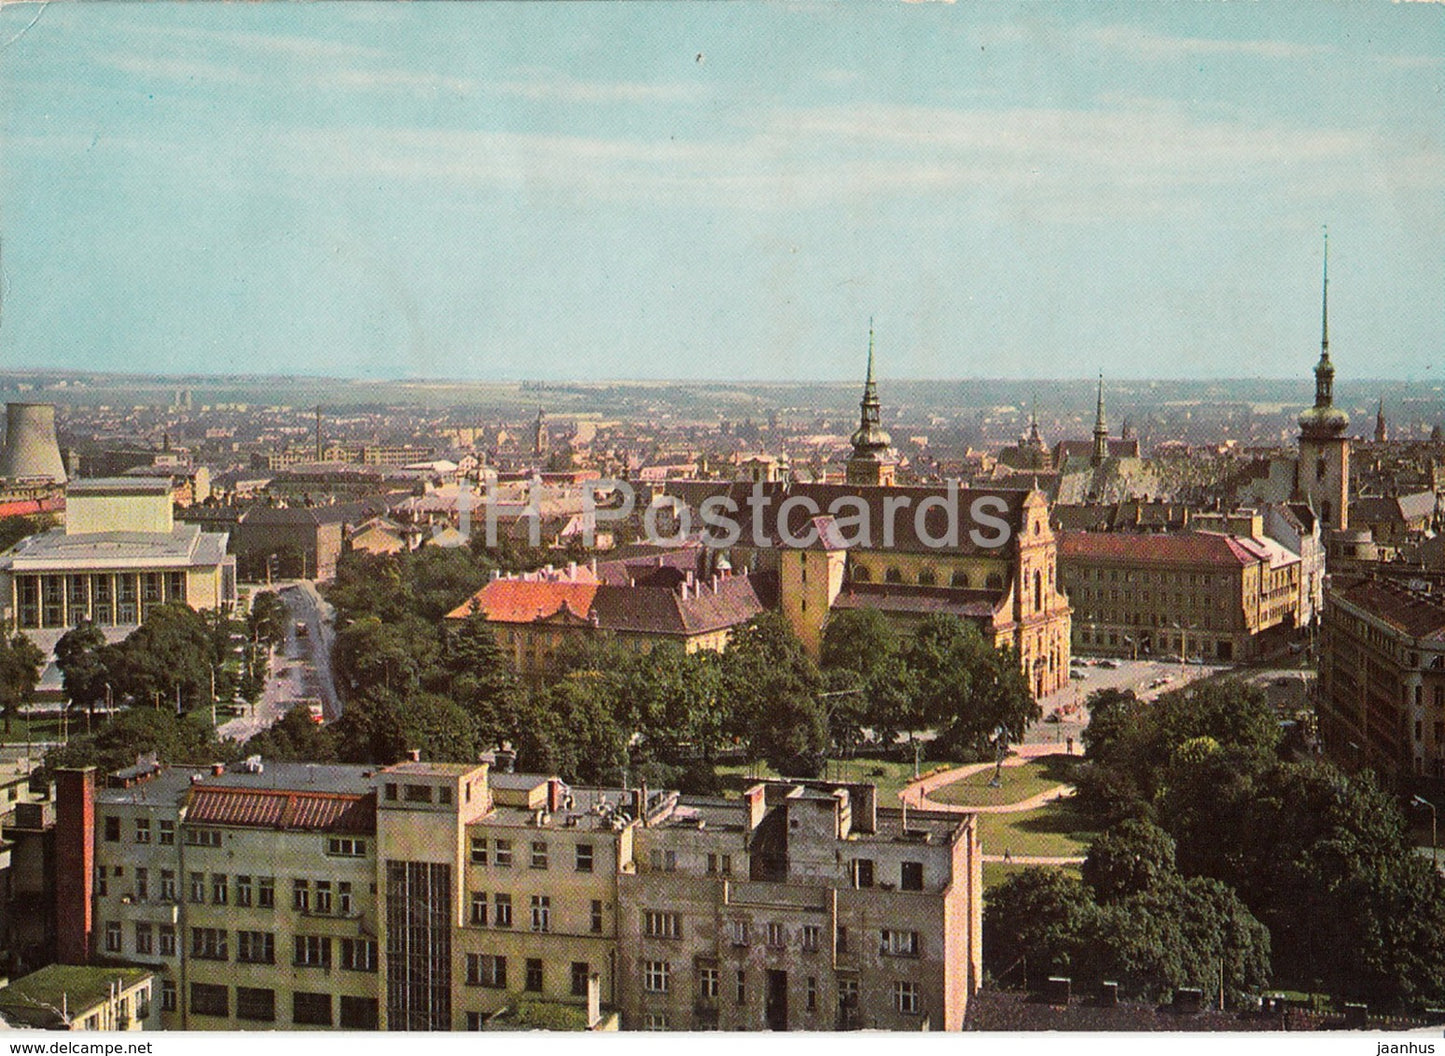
x,y
441,896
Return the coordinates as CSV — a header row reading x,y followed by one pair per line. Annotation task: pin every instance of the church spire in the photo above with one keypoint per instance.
x,y
1101,428
1325,370
871,444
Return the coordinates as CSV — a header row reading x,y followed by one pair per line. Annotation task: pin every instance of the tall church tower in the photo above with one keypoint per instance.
x,y
1101,430
1323,473
873,460
541,442
1382,430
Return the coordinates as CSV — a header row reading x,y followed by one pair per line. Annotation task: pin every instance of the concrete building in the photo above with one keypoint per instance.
x,y
440,896
119,553
81,997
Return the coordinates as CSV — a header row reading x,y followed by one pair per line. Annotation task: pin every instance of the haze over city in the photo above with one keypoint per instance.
x,y
721,192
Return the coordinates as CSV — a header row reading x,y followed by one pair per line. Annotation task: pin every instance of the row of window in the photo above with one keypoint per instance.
x,y
258,1005
927,578
494,910
910,874
252,947
657,978
320,897
497,853
490,970
165,836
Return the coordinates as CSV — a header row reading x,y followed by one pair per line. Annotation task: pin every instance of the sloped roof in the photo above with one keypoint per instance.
x,y
659,610
923,601
525,601
1174,548
1412,612
267,808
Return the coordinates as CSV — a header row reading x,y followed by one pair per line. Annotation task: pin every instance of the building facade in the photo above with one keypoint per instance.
x,y
434,896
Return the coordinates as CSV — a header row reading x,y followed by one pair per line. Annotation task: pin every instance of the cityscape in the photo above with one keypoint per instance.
x,y
498,542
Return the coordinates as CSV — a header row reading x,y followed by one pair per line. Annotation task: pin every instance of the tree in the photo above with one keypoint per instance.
x,y
773,689
1131,857
81,658
967,688
139,731
21,662
1033,925
168,657
295,737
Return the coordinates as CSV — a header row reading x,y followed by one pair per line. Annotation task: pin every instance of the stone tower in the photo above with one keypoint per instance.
x,y
1323,475
873,460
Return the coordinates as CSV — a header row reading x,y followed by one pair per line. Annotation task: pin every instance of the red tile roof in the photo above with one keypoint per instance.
x,y
522,601
1412,612
269,808
1174,548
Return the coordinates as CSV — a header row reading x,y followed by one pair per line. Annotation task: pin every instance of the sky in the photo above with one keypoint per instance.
x,y
729,191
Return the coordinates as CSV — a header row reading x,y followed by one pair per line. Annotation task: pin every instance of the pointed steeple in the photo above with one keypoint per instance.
x,y
872,459
1324,419
1101,428
1382,431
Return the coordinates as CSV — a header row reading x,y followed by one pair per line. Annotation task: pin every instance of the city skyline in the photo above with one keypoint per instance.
x,y
593,193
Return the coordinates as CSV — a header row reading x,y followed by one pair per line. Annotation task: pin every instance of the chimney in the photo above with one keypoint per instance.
x,y
217,769
414,755
74,863
554,794
1108,993
1056,991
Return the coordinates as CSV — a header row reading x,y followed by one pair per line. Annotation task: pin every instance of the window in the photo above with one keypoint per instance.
x,y
343,898
812,993
539,854
533,981
417,793
358,1013
112,936
475,1020
739,929
479,909
209,999
899,943
312,1010
144,941
203,837
541,913
812,935
219,893
584,857
479,850
502,911
243,890
100,885
659,925
112,830
842,938
166,940
168,995
266,892
777,935
208,944
655,1021
581,972
656,976
167,834
142,884
485,969
912,877
341,847
312,951
198,887
255,947
444,794
862,872
905,998
502,856
256,1004
391,791
358,955
742,987
707,980
323,896
301,895
663,861
142,830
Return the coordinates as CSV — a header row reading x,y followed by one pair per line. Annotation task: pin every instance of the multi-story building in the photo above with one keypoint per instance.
x,y
1195,594
437,896
119,553
1382,677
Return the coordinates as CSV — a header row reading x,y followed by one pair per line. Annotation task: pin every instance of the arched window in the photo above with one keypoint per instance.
x,y
994,581
960,579
893,576
926,578
861,574
1038,590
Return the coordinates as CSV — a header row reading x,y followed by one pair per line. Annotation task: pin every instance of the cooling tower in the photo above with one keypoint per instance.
x,y
31,451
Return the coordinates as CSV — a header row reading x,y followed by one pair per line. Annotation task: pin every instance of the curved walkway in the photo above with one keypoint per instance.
x,y
917,795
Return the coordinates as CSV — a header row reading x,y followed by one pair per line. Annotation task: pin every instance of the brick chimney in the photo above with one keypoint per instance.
x,y
74,862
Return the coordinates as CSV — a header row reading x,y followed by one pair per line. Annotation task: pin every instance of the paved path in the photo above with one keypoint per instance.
x,y
917,795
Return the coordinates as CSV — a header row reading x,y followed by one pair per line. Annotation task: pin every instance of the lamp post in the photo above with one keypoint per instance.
x,y
1421,801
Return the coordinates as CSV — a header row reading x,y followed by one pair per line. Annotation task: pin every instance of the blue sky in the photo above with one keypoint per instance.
x,y
722,191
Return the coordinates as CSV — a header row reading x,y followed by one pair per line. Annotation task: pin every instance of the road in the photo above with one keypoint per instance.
x,y
300,668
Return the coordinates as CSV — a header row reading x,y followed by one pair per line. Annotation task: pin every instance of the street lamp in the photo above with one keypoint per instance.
x,y
1421,801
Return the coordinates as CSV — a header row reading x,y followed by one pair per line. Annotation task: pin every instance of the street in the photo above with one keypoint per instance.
x,y
300,669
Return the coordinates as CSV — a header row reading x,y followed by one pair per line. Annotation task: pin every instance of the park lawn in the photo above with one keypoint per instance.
x,y
50,728
1018,784
995,873
1054,830
890,777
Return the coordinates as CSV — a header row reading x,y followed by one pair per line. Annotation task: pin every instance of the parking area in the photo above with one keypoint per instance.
x,y
1065,714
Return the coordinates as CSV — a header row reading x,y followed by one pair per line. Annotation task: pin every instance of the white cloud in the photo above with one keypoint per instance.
x,y
1144,44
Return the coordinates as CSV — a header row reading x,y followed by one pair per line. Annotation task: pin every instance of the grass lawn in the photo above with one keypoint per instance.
x,y
1019,783
49,728
995,873
1054,830
891,778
